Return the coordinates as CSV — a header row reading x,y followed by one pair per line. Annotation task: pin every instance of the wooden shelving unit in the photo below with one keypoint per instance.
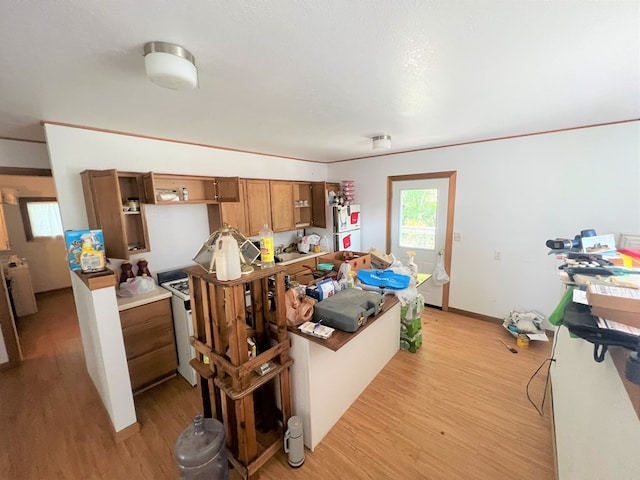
x,y
232,391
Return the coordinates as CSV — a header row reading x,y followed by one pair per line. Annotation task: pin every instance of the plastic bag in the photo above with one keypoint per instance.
x,y
137,286
439,276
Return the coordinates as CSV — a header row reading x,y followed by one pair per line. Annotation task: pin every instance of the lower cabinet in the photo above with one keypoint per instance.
x,y
302,271
149,343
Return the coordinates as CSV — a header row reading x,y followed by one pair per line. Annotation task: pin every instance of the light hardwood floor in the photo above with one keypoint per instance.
x,y
456,409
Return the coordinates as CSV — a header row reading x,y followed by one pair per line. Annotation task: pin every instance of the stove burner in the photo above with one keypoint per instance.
x,y
181,285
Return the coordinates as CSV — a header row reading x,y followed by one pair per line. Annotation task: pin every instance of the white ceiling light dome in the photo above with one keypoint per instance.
x,y
170,65
381,142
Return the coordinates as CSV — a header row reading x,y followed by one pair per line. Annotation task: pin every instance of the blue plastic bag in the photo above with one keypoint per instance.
x,y
384,279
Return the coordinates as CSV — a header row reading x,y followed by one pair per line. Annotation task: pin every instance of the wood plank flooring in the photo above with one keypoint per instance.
x,y
456,409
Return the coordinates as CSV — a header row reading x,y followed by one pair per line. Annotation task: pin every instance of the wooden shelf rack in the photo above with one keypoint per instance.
x,y
231,389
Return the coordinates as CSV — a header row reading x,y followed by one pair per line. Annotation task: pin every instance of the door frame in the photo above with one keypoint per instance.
x,y
8,326
451,201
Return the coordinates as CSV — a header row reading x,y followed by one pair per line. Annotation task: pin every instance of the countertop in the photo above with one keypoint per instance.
x,y
125,303
304,257
339,338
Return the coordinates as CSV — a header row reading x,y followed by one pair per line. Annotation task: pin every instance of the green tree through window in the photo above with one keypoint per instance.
x,y
418,218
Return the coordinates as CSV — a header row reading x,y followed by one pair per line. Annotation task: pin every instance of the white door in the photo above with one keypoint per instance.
x,y
418,224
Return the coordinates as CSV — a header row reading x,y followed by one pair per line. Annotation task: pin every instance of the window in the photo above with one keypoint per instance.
x,y
418,218
40,217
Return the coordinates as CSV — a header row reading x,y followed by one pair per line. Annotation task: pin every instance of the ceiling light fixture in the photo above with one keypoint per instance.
x,y
381,141
170,65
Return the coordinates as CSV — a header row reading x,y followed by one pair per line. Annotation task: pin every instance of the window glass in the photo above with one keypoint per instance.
x,y
418,218
41,218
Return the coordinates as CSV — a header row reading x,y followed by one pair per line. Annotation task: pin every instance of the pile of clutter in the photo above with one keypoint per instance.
x,y
528,323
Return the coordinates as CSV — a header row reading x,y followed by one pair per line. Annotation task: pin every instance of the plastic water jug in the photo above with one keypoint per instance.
x,y
200,451
294,442
227,258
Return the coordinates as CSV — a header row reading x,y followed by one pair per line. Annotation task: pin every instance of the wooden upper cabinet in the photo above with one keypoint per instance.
x,y
105,192
231,213
258,206
4,234
319,204
282,208
168,189
310,204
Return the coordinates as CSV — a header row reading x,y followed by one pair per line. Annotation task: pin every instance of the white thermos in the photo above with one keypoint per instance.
x,y
293,442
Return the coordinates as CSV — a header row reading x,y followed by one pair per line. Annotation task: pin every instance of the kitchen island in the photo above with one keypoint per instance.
x,y
327,376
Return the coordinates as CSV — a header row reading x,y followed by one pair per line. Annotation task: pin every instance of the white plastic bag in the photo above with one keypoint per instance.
x,y
137,286
439,276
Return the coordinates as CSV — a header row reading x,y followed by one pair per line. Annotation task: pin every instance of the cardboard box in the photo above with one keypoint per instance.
x,y
619,304
357,260
614,298
628,318
74,239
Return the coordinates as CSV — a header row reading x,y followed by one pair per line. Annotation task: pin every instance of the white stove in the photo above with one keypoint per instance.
x,y
177,282
178,287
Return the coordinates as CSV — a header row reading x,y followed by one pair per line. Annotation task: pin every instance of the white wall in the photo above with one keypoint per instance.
x,y
17,153
176,232
512,195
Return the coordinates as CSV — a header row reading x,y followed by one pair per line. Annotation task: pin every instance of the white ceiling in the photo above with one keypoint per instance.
x,y
316,79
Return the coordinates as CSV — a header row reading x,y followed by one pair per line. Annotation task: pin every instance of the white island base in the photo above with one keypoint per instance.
x,y
324,383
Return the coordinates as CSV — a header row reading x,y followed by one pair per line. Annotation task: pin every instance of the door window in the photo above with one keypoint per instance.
x,y
418,218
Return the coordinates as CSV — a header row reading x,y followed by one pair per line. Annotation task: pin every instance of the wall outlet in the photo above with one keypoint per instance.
x,y
456,236
299,233
497,255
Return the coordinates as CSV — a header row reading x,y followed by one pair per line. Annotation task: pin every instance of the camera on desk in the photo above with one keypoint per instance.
x,y
567,244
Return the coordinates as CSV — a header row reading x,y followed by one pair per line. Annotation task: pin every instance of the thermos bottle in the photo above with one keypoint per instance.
x,y
294,442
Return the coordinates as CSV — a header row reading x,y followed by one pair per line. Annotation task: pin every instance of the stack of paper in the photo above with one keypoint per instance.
x,y
316,329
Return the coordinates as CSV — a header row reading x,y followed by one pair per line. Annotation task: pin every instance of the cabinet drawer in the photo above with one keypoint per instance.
x,y
146,336
153,366
132,316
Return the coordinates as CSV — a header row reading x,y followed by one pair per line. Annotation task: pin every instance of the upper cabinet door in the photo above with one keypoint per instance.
x,y
319,204
282,211
235,213
258,205
228,189
105,192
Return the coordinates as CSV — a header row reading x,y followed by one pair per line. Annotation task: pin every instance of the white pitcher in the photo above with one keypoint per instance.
x,y
227,258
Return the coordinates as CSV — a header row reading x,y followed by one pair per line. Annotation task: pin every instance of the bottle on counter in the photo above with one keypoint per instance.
x,y
266,247
127,272
143,268
185,194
